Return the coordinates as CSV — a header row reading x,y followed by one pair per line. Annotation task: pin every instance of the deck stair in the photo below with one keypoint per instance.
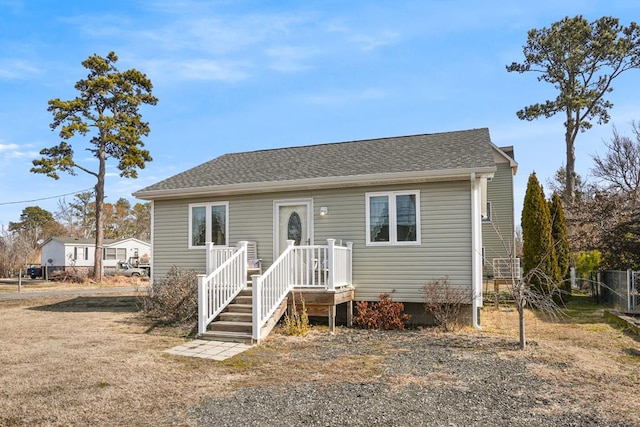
x,y
234,324
231,308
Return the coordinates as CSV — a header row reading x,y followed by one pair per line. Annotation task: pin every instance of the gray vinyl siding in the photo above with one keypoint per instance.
x,y
250,218
498,235
401,271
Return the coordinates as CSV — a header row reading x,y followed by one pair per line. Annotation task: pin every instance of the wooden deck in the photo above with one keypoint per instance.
x,y
323,303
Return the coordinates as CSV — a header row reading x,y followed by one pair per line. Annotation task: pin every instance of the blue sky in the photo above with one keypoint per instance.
x,y
246,75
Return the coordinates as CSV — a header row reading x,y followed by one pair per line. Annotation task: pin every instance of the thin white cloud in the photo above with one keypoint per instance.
x,y
17,69
196,69
206,69
368,42
15,151
288,58
4,147
200,43
12,5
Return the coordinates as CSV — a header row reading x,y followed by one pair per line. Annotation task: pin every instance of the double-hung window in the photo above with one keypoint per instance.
x,y
119,254
80,252
208,223
393,218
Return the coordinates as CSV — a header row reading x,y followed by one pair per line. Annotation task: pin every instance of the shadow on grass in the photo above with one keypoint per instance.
x,y
579,309
91,304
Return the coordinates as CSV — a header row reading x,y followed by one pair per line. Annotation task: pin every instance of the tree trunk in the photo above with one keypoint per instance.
x,y
570,184
97,265
523,340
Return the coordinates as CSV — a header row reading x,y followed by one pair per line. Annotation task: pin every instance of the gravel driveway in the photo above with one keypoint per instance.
x,y
421,380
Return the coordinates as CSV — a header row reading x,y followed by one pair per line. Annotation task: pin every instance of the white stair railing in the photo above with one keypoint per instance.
x,y
271,288
341,272
507,268
216,256
217,289
315,266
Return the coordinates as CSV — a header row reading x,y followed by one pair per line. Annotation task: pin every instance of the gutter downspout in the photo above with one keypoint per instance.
x,y
476,250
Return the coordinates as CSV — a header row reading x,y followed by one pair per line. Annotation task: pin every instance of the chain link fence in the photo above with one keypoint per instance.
x,y
620,289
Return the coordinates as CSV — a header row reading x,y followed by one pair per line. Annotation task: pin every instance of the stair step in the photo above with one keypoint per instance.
x,y
246,292
227,336
236,316
229,326
240,308
243,299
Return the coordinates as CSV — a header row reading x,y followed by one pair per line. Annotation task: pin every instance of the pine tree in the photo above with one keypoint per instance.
x,y
560,240
538,252
106,117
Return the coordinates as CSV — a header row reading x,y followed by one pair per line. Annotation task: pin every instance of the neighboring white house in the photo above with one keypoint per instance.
x,y
60,253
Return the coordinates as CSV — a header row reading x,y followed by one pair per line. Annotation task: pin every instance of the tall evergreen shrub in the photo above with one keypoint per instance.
x,y
537,250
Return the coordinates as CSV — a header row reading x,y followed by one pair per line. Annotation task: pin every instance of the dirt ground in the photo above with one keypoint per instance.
x,y
95,360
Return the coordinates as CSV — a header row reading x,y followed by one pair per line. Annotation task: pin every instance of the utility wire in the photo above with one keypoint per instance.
x,y
44,198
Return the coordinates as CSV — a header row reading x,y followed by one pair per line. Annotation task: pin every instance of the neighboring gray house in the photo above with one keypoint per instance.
x,y
412,207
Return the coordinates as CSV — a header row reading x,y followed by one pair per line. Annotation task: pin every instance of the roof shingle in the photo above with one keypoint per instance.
x,y
459,150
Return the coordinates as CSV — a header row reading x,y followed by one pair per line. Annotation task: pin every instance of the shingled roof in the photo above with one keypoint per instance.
x,y
428,154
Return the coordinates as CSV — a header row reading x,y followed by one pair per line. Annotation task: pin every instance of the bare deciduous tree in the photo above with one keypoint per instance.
x,y
619,168
535,290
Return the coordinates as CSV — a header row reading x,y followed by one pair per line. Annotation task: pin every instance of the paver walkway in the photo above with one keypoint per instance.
x,y
205,349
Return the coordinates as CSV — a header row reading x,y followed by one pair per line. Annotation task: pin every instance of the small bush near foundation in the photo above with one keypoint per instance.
x,y
298,323
445,301
173,300
384,314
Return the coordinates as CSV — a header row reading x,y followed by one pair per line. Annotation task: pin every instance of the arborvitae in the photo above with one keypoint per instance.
x,y
560,240
537,251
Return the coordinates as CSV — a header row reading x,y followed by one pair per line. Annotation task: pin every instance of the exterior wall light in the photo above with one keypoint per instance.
x,y
324,211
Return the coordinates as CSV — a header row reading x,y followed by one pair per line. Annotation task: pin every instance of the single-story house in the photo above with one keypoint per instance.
x,y
64,253
409,209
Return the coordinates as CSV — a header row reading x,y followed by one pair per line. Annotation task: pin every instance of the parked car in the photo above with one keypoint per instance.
x,y
126,269
34,271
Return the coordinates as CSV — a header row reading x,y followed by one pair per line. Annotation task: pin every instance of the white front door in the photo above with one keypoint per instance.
x,y
293,222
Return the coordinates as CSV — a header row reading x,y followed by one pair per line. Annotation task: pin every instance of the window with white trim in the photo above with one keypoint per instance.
x,y
119,254
208,223
393,218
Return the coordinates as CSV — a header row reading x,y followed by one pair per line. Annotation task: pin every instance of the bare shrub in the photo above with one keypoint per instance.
x,y
445,301
298,323
72,275
384,314
173,300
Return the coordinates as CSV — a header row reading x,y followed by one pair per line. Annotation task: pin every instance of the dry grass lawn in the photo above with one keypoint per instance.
x,y
92,360
10,286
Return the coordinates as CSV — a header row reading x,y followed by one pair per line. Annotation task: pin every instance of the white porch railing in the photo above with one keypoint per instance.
x,y
218,288
217,256
299,266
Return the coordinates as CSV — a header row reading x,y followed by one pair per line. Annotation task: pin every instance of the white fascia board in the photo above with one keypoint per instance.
x,y
316,183
512,163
